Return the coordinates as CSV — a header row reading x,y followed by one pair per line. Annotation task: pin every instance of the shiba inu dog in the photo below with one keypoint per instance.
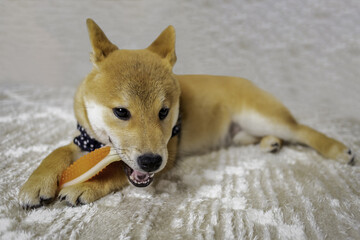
x,y
132,101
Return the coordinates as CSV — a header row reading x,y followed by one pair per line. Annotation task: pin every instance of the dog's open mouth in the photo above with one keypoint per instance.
x,y
137,178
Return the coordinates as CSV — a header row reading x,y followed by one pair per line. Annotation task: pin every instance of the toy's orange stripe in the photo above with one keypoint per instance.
x,y
83,164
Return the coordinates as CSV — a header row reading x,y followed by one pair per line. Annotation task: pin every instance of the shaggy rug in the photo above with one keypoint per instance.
x,y
307,53
235,193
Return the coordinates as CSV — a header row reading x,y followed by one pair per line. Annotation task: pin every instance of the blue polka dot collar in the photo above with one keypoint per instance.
x,y
85,142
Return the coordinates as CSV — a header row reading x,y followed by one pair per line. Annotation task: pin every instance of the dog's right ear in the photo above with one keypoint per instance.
x,y
101,45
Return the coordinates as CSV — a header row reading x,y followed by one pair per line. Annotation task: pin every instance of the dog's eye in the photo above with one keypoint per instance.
x,y
122,113
163,113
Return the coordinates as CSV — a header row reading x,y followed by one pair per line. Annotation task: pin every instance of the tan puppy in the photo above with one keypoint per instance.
x,y
132,101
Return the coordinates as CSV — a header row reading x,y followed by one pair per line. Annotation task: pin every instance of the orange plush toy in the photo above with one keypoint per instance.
x,y
88,166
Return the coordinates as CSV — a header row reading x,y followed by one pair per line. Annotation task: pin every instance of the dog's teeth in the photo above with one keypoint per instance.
x,y
146,181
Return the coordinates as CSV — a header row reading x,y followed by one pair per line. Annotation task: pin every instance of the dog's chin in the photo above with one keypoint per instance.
x,y
137,178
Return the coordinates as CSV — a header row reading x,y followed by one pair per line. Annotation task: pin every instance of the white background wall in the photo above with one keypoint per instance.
x,y
305,52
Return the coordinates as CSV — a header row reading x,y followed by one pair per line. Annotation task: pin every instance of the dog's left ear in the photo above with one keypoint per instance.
x,y
164,45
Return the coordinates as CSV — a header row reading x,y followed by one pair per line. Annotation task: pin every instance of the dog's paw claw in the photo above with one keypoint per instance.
x,y
270,144
79,194
347,157
352,162
61,198
79,201
72,203
46,200
351,156
30,207
275,147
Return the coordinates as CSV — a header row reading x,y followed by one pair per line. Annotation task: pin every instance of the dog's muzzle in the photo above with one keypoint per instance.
x,y
148,163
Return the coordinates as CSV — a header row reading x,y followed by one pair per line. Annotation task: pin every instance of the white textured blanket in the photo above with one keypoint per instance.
x,y
305,52
233,193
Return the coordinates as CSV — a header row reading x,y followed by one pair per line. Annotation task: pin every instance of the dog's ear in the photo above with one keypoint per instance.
x,y
164,45
101,45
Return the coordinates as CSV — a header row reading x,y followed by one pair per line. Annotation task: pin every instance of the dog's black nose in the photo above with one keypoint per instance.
x,y
149,162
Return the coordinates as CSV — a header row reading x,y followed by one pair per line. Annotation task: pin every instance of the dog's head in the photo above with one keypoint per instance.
x,y
130,100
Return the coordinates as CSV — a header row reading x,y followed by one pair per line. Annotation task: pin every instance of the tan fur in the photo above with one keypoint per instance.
x,y
216,111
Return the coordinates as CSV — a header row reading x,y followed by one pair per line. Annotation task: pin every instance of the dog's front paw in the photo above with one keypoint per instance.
x,y
37,191
80,194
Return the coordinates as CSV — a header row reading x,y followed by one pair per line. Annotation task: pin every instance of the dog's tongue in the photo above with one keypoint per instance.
x,y
140,176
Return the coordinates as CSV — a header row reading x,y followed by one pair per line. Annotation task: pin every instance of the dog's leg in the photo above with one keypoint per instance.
x,y
267,144
270,144
284,126
42,185
326,146
243,138
112,178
